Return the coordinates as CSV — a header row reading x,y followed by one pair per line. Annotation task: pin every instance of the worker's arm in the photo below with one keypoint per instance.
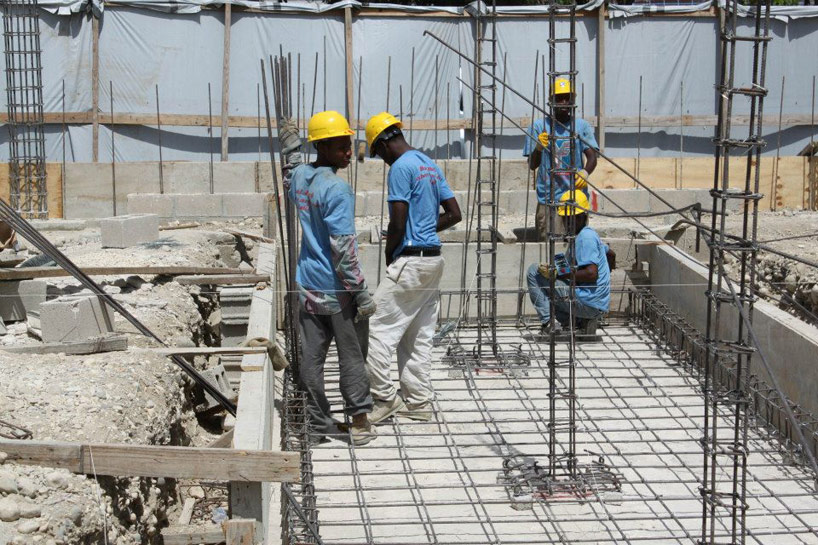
x,y
590,160
450,216
586,275
339,217
530,149
398,212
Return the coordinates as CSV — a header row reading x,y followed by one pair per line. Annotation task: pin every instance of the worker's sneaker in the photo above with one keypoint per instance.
x,y
382,410
421,411
362,435
545,329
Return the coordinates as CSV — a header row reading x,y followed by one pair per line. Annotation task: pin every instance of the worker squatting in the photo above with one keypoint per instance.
x,y
399,319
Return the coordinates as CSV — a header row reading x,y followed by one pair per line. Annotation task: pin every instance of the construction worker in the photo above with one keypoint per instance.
x,y
407,298
333,296
537,150
592,264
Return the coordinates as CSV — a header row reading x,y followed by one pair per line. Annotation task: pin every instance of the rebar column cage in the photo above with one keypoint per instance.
x,y
486,181
725,450
24,94
562,428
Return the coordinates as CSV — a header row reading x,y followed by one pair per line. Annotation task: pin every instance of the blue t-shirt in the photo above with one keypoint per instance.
x,y
325,207
563,150
591,250
416,180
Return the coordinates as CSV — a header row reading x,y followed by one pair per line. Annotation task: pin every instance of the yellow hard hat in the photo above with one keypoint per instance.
x,y
561,87
327,124
376,125
581,201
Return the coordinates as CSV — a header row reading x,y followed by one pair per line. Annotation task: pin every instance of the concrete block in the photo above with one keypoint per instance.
x,y
129,230
75,319
239,205
151,203
197,205
632,200
233,177
19,297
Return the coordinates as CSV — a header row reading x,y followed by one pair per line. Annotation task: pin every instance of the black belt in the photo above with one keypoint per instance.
x,y
421,252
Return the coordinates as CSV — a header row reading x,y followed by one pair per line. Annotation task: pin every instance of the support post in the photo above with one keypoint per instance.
x,y
225,78
348,55
95,88
600,78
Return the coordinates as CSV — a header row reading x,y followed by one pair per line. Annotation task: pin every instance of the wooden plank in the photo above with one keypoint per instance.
x,y
25,273
221,279
192,535
176,227
94,88
195,120
187,511
348,58
226,79
204,350
239,531
221,464
113,343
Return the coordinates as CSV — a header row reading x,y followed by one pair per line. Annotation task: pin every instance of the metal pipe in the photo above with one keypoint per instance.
x,y
113,149
210,132
159,136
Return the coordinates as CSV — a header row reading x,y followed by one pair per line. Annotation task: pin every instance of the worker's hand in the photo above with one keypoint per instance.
x,y
542,141
366,306
288,136
581,180
545,271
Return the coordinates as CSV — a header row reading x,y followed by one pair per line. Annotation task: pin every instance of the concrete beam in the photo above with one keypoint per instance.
x,y
789,344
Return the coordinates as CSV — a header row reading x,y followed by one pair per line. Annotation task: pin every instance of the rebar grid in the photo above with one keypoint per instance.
x,y
24,92
726,449
638,409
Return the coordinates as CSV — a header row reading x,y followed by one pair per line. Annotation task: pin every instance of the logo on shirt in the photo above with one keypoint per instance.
x,y
304,199
428,173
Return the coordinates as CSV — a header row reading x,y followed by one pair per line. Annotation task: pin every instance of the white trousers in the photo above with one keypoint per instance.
x,y
407,300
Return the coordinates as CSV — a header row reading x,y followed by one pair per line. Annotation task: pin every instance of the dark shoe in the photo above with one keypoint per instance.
x,y
545,329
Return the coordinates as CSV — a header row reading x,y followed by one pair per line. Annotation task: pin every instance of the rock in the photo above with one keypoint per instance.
x,y
196,492
75,515
3,457
791,283
27,487
9,510
57,479
30,511
7,483
28,526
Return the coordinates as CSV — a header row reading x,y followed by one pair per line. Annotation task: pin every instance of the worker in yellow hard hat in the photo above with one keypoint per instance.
x,y
591,261
407,298
333,296
546,134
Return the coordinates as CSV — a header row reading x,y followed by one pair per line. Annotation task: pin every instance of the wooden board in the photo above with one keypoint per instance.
x,y
192,535
222,279
221,464
115,343
26,273
53,182
205,350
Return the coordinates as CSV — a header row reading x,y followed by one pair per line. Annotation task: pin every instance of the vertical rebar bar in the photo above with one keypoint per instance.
x,y
412,97
159,137
63,171
357,133
113,148
774,181
210,132
383,169
681,134
437,79
639,132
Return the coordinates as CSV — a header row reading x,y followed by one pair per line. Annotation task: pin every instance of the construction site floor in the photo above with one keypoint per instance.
x,y
638,412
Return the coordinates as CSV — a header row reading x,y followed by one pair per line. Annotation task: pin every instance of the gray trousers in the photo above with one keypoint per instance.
x,y
351,341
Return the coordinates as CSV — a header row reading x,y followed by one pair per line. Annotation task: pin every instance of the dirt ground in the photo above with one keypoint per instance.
x,y
117,397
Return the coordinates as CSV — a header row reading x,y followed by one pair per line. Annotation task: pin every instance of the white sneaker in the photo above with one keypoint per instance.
x,y
384,409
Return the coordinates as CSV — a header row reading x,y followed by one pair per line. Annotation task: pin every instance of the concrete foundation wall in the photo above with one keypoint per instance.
x,y
789,344
89,191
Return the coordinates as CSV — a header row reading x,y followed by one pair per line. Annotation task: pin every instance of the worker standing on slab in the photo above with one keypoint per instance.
x,y
333,296
407,298
537,149
592,264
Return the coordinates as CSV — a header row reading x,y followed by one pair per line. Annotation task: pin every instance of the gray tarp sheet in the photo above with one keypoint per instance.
x,y
182,53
